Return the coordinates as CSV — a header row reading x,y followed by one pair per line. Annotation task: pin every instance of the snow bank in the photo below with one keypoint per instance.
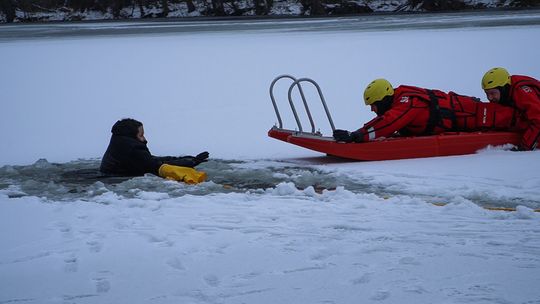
x,y
283,245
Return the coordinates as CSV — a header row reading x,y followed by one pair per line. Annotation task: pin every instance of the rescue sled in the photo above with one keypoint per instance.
x,y
446,144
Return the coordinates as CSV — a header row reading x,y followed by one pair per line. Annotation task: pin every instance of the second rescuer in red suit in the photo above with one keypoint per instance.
x,y
523,94
409,110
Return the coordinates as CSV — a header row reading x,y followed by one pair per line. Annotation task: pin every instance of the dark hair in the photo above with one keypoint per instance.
x,y
126,127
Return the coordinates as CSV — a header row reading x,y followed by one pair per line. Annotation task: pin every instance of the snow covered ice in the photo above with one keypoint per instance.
x,y
283,245
275,223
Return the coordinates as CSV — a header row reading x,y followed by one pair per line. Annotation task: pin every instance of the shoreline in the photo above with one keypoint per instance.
x,y
365,22
293,16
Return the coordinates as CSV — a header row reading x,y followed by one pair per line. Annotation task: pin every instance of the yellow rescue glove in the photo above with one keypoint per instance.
x,y
182,174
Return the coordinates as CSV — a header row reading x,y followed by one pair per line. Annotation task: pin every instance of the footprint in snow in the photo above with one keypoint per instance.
x,y
70,264
380,295
65,229
244,279
415,289
94,246
157,239
211,280
102,285
176,264
249,276
409,261
364,279
323,254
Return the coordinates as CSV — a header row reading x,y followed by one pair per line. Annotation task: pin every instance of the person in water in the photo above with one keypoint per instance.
x,y
128,155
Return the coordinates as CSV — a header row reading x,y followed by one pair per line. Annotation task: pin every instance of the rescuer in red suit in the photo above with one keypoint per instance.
x,y
409,110
523,94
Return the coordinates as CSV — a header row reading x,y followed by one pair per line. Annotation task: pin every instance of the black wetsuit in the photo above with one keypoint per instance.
x,y
127,156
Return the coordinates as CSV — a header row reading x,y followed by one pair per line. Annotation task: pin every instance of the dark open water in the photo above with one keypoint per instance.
x,y
81,180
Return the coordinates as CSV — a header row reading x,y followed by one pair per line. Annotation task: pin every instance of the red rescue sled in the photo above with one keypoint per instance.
x,y
455,143
399,147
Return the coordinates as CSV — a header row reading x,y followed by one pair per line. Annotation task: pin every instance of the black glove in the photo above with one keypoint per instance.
x,y
342,135
357,136
201,157
346,136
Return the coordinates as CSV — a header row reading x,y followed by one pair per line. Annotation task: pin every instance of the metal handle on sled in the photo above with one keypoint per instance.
x,y
274,100
293,108
297,83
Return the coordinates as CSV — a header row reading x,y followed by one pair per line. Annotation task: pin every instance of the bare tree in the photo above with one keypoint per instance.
x,y
190,5
314,6
7,7
263,7
164,8
218,8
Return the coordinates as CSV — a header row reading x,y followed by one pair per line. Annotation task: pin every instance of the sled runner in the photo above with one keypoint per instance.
x,y
452,143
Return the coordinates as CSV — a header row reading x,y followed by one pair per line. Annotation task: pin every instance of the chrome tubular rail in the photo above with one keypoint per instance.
x,y
280,122
297,83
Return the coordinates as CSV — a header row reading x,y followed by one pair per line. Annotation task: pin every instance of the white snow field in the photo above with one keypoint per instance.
x,y
168,243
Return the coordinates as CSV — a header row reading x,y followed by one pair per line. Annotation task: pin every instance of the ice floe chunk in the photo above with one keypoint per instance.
x,y
154,196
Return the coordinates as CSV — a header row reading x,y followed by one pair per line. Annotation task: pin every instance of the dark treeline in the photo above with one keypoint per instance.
x,y
119,9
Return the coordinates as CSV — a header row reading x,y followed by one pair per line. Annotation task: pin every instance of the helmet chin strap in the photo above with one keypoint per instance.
x,y
505,95
384,105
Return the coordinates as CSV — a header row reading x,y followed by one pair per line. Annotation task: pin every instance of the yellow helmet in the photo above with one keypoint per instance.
x,y
496,77
377,90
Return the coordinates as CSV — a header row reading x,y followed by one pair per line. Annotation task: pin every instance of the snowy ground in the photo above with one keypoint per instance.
x,y
258,232
284,246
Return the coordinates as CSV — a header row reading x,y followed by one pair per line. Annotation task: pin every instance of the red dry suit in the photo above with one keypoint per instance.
x,y
418,111
524,95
